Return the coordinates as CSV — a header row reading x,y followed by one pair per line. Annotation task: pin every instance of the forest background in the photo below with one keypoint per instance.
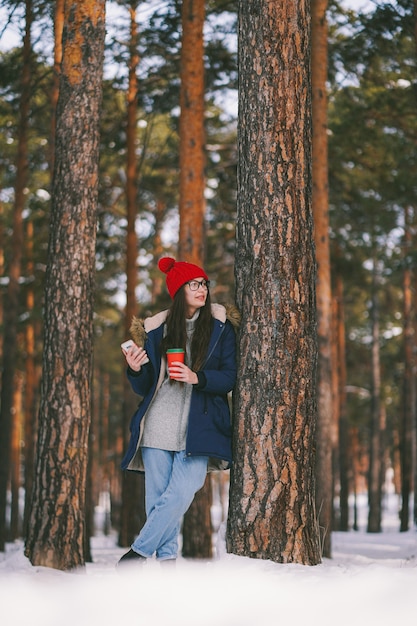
x,y
372,162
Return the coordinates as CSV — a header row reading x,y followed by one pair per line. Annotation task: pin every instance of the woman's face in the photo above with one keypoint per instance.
x,y
195,298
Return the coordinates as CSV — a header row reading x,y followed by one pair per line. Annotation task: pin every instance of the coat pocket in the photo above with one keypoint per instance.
x,y
221,416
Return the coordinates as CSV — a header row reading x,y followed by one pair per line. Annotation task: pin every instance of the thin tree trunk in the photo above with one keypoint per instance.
x,y
355,454
343,440
31,382
158,281
56,527
376,450
410,334
15,482
272,505
192,135
89,501
409,409
320,203
11,311
133,486
198,545
104,450
58,29
335,411
396,458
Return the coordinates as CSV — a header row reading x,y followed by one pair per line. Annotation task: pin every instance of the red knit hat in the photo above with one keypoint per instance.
x,y
178,273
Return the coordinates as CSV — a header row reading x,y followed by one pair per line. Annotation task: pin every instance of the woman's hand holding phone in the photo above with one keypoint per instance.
x,y
135,356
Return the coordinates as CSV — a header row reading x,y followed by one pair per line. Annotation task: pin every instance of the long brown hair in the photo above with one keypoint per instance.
x,y
176,335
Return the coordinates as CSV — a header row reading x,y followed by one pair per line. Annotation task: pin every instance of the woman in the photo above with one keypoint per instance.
x,y
182,426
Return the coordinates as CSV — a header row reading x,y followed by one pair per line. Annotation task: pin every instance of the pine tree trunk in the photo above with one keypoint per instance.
x,y
89,501
408,417
158,280
192,135
272,505
31,383
104,450
15,482
324,479
11,310
343,438
197,529
376,451
56,527
335,409
355,454
197,544
131,170
59,17
133,486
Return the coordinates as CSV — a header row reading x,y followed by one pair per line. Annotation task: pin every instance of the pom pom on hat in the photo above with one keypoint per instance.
x,y
166,264
178,273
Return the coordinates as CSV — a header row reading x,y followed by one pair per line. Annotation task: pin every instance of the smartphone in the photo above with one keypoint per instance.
x,y
126,345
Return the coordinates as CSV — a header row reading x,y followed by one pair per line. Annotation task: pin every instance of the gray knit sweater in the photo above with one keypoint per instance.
x,y
166,420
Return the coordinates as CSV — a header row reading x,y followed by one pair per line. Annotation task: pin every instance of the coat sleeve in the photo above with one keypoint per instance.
x,y
218,376
141,381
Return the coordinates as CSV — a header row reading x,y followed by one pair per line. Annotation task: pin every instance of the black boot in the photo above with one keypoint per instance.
x,y
131,558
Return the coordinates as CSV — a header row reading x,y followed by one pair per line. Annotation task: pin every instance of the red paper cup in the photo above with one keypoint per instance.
x,y
175,354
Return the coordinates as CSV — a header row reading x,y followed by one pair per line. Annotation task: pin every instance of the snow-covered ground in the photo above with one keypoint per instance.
x,y
371,579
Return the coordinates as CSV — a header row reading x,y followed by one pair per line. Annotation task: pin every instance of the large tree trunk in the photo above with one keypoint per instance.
x,y
133,485
197,523
56,527
272,505
11,310
324,478
32,376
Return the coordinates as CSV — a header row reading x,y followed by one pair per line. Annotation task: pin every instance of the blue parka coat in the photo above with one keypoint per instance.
x,y
209,423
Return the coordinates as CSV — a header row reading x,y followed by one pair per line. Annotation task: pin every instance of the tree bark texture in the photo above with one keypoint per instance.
x,y
324,482
272,504
192,135
56,527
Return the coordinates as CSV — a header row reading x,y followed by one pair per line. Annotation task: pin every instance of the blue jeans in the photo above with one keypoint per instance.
x,y
171,481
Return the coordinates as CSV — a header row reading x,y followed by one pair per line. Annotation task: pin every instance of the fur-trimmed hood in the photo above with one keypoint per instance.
x,y
139,327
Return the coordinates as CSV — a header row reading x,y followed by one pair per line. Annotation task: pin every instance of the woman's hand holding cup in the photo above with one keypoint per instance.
x,y
177,369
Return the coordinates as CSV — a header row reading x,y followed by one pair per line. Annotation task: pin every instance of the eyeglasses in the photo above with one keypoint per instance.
x,y
196,284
